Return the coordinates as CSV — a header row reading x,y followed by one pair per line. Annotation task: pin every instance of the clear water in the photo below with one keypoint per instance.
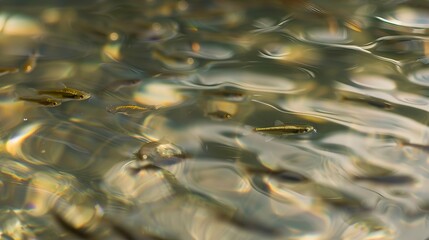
x,y
185,161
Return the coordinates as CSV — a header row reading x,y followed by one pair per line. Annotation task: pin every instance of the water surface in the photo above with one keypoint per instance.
x,y
165,147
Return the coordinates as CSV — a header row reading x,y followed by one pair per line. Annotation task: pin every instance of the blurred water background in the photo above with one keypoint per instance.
x,y
138,119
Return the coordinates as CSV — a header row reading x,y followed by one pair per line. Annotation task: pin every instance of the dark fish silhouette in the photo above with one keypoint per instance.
x,y
370,101
386,180
286,129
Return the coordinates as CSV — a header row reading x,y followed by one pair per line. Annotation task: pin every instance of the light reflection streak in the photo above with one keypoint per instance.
x,y
14,144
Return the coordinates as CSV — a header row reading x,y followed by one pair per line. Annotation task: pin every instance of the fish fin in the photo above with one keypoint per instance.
x,y
110,109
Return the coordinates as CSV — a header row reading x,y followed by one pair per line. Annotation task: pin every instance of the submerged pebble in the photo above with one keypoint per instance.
x,y
160,153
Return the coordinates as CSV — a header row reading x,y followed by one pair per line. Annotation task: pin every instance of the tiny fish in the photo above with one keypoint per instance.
x,y
43,100
369,100
30,64
341,200
66,93
386,180
282,175
286,129
220,115
129,109
117,85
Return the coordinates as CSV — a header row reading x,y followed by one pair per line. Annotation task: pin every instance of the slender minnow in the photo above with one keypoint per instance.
x,y
43,100
129,109
286,129
66,93
386,180
119,84
30,63
370,101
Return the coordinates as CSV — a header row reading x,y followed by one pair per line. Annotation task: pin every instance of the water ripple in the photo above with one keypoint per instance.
x,y
407,17
204,77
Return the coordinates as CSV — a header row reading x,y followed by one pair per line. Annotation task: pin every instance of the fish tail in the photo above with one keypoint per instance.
x,y
110,109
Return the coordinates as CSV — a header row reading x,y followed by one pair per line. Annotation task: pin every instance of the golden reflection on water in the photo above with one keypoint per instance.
x,y
165,147
14,145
